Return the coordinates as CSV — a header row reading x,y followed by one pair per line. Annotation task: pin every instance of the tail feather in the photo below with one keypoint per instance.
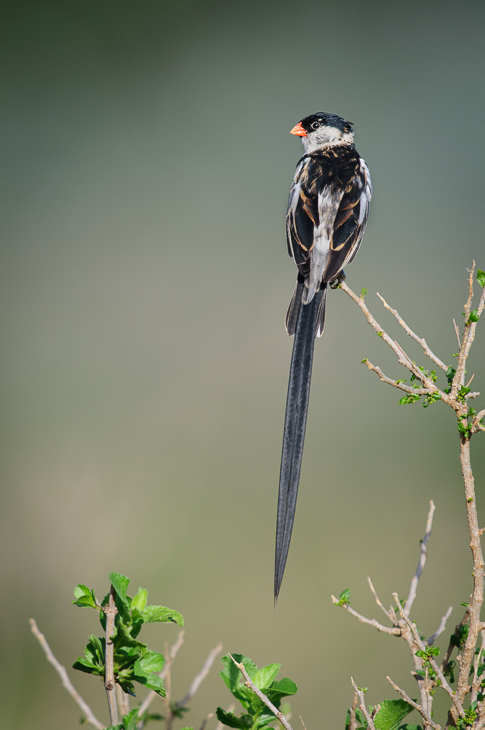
x,y
310,320
321,312
294,309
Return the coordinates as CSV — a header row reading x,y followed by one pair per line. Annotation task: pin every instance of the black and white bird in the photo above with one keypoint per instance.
x,y
327,214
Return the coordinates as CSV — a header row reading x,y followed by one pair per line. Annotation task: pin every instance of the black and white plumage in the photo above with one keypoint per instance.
x,y
327,214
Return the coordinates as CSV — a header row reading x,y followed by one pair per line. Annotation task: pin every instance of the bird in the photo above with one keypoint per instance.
x,y
327,213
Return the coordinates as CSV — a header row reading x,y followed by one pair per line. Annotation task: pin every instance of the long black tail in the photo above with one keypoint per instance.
x,y
310,319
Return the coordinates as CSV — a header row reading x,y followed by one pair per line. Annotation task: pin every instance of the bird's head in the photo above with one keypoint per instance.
x,y
322,130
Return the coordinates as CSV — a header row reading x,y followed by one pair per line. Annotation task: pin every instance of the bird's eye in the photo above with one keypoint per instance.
x,y
315,125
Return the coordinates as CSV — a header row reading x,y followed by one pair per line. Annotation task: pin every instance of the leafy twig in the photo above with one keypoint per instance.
x,y
369,621
249,683
360,693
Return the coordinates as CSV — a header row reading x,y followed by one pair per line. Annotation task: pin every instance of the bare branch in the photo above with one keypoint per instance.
x,y
440,628
422,647
476,598
468,336
109,680
396,631
249,683
123,700
206,720
172,654
395,383
403,358
427,720
420,340
390,614
370,721
422,560
66,682
457,333
353,724
200,677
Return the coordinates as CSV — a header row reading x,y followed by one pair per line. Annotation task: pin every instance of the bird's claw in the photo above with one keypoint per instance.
x,y
336,282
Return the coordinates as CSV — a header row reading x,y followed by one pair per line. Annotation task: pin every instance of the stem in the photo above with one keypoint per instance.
x,y
109,678
476,598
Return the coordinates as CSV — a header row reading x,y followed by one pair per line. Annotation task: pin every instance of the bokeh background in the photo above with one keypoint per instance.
x,y
144,283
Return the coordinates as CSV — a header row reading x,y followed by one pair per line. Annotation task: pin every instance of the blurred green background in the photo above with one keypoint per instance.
x,y
145,279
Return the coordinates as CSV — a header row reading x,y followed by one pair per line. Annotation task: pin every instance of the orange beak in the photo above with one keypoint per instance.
x,y
298,130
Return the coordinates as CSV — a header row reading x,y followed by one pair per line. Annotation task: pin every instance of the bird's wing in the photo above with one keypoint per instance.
x,y
301,219
349,221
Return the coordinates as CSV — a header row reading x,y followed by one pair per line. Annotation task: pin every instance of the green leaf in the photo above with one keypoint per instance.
x,y
266,675
130,719
284,687
481,277
410,727
95,648
344,597
230,719
161,614
148,679
120,583
391,714
84,596
140,600
124,640
231,674
84,665
474,316
152,661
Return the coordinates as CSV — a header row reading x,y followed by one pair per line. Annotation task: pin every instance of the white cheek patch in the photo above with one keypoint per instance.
x,y
326,137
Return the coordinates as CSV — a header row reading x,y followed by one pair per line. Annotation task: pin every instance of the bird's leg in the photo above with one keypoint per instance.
x,y
336,282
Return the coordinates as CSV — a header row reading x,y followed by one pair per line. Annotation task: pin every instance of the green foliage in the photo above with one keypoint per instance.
x,y
470,716
363,292
415,397
409,398
481,277
133,661
474,316
344,598
391,714
389,717
256,715
459,637
129,721
428,670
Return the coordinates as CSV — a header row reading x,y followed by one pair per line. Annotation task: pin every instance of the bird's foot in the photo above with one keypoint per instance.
x,y
336,282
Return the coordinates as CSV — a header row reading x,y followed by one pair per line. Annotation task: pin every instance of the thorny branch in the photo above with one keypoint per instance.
x,y
470,662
